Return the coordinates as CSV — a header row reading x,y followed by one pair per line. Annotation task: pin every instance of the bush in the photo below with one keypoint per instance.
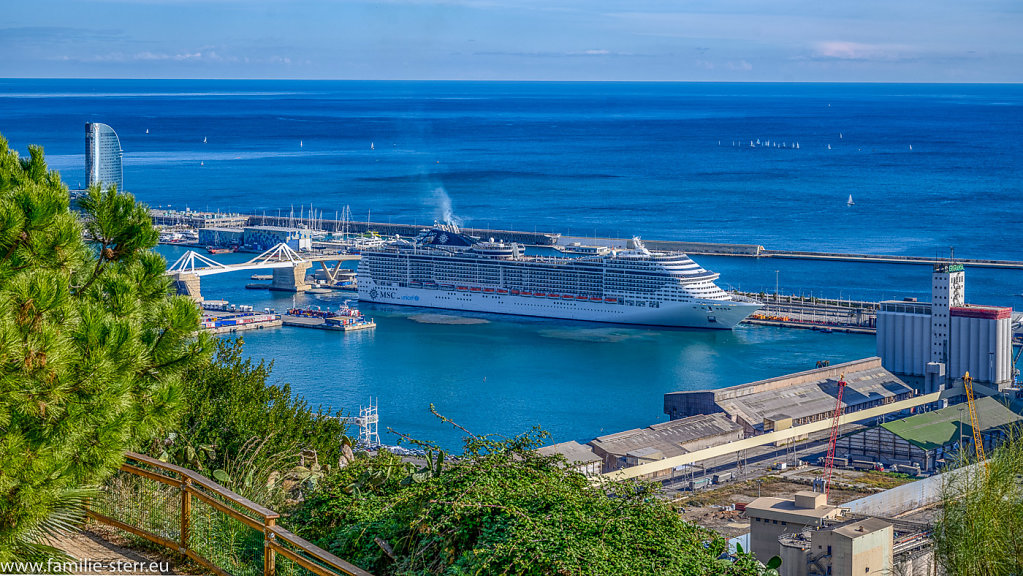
x,y
502,508
254,437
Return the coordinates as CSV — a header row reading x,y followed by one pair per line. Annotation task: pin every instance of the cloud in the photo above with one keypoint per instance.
x,y
565,54
54,34
203,55
741,65
840,50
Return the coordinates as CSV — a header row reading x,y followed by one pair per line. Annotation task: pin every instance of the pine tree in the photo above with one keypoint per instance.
x,y
92,343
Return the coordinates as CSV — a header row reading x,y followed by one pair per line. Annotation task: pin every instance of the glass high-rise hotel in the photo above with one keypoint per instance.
x,y
103,155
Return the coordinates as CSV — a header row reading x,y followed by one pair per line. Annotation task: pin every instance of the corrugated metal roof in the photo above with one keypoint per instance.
x,y
941,427
667,437
573,452
816,397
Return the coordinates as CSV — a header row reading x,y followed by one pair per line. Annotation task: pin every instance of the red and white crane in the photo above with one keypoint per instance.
x,y
829,462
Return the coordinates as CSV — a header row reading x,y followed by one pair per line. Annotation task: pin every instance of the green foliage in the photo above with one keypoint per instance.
x,y
237,426
92,344
982,513
501,508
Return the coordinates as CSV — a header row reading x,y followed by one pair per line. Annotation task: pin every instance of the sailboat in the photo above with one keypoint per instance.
x,y
203,139
147,130
371,146
299,143
849,202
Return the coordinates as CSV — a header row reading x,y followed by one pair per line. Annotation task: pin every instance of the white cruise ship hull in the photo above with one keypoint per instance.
x,y
713,314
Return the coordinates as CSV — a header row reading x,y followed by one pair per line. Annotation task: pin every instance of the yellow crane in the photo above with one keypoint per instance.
x,y
978,442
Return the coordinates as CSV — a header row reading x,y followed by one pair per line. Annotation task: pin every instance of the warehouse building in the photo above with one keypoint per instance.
x,y
794,399
664,440
928,439
578,457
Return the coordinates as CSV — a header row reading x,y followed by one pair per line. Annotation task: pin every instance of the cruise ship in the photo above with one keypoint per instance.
x,y
443,268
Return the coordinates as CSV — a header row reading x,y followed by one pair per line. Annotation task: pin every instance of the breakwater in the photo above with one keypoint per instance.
x,y
234,220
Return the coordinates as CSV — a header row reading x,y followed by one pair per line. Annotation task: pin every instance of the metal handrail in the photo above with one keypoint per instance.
x,y
276,540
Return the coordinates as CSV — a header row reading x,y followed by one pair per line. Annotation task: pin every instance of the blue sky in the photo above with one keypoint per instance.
x,y
711,40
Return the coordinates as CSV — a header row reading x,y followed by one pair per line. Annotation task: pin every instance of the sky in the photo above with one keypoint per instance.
x,y
639,40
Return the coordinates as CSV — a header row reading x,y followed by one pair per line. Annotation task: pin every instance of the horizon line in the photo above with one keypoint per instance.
x,y
508,80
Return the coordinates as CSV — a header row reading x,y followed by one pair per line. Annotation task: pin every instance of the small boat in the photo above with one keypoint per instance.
x,y
299,143
372,147
849,202
610,300
201,163
488,290
502,291
525,293
474,289
554,296
147,130
829,146
580,298
595,298
567,296
463,288
203,139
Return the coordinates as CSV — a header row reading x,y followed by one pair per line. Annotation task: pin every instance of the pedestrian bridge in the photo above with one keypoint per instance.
x,y
289,268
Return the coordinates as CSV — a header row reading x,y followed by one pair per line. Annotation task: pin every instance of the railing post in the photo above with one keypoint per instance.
x,y
269,560
186,512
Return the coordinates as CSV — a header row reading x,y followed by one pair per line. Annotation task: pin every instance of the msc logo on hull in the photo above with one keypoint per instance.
x,y
390,295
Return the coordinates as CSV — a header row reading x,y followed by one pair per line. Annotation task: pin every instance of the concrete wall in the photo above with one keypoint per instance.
x,y
678,405
907,497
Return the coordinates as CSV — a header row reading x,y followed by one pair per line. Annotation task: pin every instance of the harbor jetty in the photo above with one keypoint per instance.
x,y
197,220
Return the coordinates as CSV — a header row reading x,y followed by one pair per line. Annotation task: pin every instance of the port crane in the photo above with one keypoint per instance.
x,y
978,441
829,462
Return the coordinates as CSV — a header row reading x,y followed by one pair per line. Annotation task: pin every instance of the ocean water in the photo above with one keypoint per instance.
x,y
929,167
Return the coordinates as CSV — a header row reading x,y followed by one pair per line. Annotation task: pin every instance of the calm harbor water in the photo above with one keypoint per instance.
x,y
929,167
505,374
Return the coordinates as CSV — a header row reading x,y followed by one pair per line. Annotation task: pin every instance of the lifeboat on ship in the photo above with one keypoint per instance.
x,y
488,290
502,291
611,300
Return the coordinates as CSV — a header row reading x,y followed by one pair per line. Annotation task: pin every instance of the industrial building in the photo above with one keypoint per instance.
x,y
940,340
771,517
578,457
103,156
794,399
927,440
664,440
814,539
266,237
221,236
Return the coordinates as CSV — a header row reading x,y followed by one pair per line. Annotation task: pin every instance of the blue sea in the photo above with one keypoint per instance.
x,y
930,167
